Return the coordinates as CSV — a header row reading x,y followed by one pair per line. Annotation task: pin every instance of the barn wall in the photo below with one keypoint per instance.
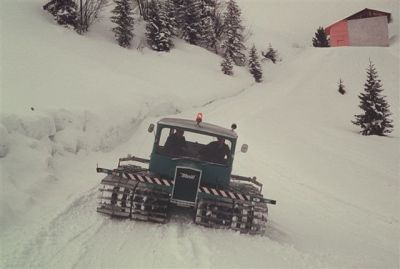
x,y
369,32
339,34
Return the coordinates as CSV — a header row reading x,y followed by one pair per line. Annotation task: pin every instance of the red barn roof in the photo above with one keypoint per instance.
x,y
365,13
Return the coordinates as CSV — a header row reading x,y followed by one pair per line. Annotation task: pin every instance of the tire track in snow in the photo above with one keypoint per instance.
x,y
226,97
200,246
187,246
73,225
79,237
179,244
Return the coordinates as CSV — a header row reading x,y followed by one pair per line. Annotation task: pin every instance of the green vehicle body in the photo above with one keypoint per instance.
x,y
186,174
212,174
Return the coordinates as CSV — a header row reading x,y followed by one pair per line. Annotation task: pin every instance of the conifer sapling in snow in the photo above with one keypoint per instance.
x,y
320,39
157,28
270,54
254,65
341,89
123,17
226,66
375,119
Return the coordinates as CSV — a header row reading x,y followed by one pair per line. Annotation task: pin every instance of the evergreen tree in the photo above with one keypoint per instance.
x,y
157,28
320,39
51,7
178,12
254,65
375,119
218,24
270,54
171,12
341,87
191,22
233,34
226,66
207,23
64,12
123,17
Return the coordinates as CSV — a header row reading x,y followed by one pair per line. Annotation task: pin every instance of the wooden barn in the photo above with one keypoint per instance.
x,y
367,27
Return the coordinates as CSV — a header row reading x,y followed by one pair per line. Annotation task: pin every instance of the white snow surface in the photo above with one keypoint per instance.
x,y
69,102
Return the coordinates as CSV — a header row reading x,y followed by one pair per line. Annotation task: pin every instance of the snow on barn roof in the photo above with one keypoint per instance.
x,y
365,13
203,127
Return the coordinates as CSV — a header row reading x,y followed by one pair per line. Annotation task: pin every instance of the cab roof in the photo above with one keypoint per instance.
x,y
203,127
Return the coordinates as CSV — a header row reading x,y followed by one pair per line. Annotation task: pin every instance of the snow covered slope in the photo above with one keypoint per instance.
x,y
69,102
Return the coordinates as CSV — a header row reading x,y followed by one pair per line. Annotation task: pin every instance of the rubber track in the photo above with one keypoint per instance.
x,y
137,203
243,217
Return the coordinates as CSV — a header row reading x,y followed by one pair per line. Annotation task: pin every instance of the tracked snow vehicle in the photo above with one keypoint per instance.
x,y
146,189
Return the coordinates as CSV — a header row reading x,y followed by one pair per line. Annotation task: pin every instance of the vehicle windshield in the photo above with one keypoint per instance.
x,y
177,142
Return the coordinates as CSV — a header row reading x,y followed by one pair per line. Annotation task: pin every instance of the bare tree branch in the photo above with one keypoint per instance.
x,y
89,11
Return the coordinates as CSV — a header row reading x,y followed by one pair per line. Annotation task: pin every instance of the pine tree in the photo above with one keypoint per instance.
x,y
254,65
191,22
51,7
157,28
178,11
320,39
341,89
218,26
207,23
124,19
375,119
226,66
233,34
270,54
170,9
64,12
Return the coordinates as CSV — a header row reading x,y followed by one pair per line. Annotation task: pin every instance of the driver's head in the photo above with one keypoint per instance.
x,y
221,140
179,132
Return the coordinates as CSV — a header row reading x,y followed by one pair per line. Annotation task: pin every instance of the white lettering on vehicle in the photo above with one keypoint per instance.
x,y
187,176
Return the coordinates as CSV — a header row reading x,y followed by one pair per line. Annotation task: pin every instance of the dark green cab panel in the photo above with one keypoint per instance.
x,y
163,164
212,174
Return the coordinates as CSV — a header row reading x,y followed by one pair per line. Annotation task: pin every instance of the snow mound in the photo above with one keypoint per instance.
x,y
70,139
70,131
37,126
65,119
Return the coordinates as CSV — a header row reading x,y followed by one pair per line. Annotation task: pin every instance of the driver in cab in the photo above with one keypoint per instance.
x,y
176,143
216,151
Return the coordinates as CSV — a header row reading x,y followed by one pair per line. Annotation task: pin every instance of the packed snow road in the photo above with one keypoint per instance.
x,y
80,237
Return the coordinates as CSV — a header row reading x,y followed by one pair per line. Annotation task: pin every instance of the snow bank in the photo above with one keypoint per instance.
x,y
70,140
37,126
66,119
73,130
